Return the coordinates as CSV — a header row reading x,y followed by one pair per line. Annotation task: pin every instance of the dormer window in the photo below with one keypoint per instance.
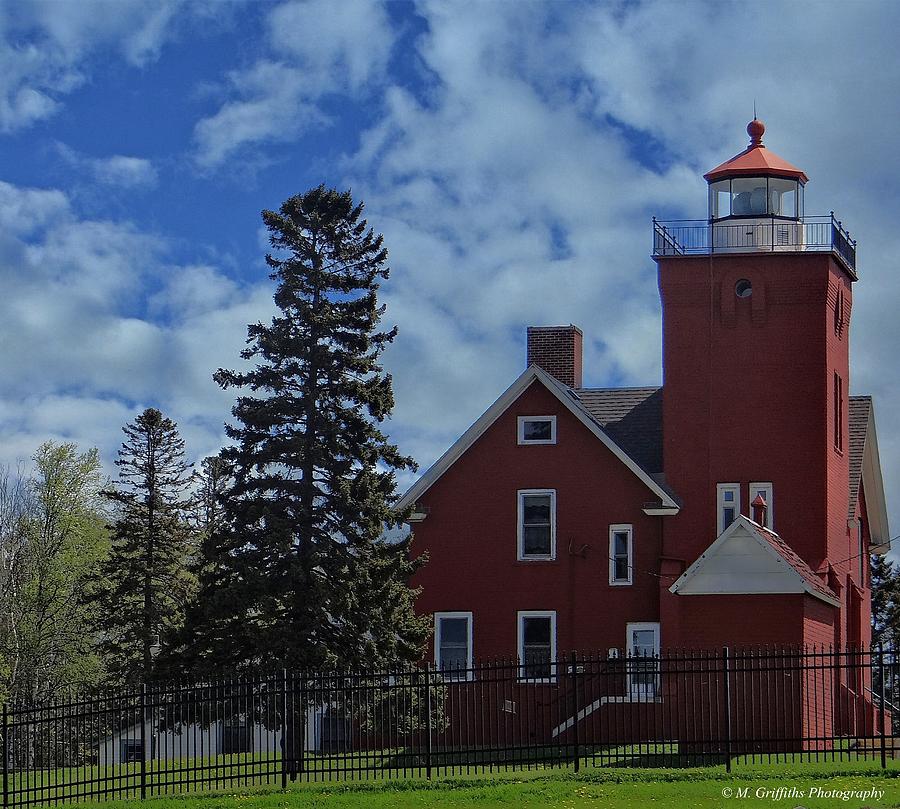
x,y
537,429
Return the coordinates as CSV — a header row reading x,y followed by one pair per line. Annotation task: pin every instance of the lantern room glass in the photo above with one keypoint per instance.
x,y
756,197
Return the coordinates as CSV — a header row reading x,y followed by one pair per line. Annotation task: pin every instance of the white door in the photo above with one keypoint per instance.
x,y
643,660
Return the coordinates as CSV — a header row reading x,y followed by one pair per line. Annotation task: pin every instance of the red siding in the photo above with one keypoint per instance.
x,y
714,621
748,397
470,536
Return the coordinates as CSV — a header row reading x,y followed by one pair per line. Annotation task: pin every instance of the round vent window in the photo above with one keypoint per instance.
x,y
743,288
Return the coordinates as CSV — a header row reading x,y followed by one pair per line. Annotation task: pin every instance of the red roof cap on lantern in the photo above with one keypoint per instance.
x,y
755,160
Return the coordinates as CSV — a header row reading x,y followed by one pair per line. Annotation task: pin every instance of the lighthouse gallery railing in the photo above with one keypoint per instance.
x,y
690,237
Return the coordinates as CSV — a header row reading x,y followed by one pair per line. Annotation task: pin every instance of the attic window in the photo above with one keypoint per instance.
x,y
537,429
743,288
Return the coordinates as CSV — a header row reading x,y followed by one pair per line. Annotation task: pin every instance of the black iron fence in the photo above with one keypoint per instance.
x,y
683,708
687,237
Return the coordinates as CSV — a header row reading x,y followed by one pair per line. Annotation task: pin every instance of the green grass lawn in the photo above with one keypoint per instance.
x,y
593,787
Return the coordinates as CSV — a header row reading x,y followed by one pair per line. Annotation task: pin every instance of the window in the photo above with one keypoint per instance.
x,y
862,552
838,412
620,554
236,737
537,646
743,288
537,524
765,489
839,312
132,750
729,503
642,645
453,644
537,429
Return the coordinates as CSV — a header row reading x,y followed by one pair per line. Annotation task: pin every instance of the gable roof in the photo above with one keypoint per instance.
x,y
748,558
571,401
865,469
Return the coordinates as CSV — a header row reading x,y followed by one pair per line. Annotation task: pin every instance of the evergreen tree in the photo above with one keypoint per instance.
x,y
300,574
885,602
213,481
145,583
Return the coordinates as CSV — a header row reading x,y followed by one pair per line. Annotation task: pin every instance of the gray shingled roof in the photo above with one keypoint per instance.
x,y
860,407
632,417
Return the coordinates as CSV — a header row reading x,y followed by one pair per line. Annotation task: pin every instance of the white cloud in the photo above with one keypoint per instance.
x,y
270,107
125,172
84,351
120,171
317,48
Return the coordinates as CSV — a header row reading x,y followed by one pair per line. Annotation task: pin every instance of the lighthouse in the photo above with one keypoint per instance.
x,y
756,305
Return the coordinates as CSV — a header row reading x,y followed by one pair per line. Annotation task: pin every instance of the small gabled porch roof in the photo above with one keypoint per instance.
x,y
748,559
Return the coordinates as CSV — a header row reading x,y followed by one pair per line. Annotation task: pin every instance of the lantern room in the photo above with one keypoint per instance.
x,y
755,183
755,204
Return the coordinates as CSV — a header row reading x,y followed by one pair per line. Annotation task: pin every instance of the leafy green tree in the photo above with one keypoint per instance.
x,y
146,584
885,602
299,574
52,537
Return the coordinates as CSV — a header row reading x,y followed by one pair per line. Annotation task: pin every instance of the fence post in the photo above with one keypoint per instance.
x,y
284,728
726,677
883,706
574,663
5,756
428,720
143,741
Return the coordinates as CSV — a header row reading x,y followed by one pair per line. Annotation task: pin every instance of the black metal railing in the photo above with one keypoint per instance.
x,y
686,237
683,708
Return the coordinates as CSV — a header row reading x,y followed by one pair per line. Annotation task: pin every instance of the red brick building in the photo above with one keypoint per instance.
x,y
735,505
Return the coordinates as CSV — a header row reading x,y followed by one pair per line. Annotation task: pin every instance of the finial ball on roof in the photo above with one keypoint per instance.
x,y
755,130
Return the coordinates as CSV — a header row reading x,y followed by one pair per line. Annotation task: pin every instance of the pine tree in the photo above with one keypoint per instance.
x,y
300,575
145,584
885,602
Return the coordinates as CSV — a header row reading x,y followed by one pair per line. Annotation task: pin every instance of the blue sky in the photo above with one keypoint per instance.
x,y
512,153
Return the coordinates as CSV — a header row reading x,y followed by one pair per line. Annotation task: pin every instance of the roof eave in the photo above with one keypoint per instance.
x,y
873,486
724,172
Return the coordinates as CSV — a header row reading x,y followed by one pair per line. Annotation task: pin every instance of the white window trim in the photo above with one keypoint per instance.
x,y
635,692
520,430
520,645
620,528
721,488
469,674
767,493
520,515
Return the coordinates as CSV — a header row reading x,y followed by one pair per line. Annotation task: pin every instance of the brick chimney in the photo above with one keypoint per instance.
x,y
557,350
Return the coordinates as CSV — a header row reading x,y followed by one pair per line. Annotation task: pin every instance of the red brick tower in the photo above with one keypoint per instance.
x,y
756,304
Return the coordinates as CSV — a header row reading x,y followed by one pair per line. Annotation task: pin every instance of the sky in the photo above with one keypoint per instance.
x,y
512,154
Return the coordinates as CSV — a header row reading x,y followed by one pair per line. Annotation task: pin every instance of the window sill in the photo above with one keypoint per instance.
x,y
537,560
